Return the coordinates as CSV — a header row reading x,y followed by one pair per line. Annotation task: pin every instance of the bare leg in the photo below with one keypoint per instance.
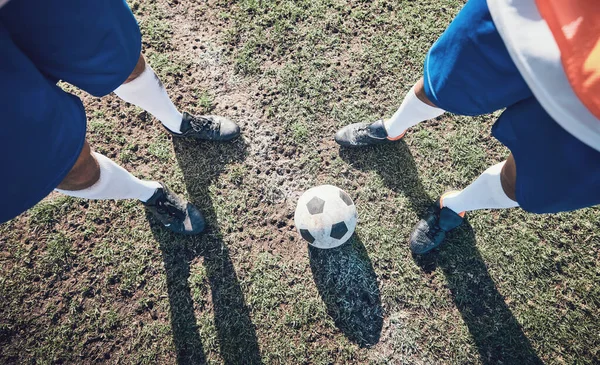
x,y
137,71
85,172
508,178
420,92
95,176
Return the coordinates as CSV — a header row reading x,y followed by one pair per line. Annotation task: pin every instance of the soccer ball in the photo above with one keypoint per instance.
x,y
325,216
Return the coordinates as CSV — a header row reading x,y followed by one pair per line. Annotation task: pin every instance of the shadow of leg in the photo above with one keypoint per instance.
x,y
348,285
237,335
497,334
183,320
201,164
396,166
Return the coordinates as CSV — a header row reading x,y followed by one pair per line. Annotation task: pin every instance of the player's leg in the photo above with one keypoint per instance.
x,y
415,108
461,74
548,171
494,189
95,176
144,89
102,58
44,147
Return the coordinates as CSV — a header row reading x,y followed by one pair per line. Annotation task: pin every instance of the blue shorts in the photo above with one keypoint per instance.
x,y
468,71
93,45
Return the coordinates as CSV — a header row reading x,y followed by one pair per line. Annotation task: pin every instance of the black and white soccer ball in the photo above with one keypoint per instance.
x,y
325,216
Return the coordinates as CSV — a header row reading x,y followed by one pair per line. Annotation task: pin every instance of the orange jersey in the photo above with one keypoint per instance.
x,y
575,25
555,44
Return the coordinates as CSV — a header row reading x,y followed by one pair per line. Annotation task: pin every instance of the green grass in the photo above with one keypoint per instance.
x,y
100,281
161,148
59,253
299,132
166,65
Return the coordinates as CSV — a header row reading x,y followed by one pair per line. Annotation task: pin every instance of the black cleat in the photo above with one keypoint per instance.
x,y
430,232
207,127
364,134
175,213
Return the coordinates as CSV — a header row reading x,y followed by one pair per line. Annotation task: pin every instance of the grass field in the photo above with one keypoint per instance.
x,y
97,281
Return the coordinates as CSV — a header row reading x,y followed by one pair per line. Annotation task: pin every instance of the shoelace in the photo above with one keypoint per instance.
x,y
362,129
365,131
165,206
360,132
199,124
434,230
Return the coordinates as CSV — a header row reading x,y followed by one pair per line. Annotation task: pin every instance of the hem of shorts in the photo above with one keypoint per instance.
x,y
519,194
428,88
122,78
523,204
60,177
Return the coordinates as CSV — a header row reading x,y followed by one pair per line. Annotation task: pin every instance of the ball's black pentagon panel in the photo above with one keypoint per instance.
x,y
307,236
346,198
338,230
315,205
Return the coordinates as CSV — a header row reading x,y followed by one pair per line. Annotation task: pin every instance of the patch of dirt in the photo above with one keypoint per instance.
x,y
273,167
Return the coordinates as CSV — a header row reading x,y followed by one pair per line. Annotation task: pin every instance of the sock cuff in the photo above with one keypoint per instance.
x,y
496,169
423,107
99,185
138,83
495,184
115,183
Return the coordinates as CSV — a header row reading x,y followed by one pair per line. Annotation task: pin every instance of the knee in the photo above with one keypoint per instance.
x,y
420,93
137,71
508,178
84,173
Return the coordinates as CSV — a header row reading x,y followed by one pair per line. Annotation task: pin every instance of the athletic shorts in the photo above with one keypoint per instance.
x,y
468,71
93,45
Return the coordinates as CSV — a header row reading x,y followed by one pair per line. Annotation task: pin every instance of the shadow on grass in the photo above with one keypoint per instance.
x,y
201,164
396,166
347,284
495,331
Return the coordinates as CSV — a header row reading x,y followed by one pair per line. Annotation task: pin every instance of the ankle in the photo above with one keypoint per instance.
x,y
392,137
450,199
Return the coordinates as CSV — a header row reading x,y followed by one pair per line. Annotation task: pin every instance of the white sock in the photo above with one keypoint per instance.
x,y
412,111
484,193
147,92
115,183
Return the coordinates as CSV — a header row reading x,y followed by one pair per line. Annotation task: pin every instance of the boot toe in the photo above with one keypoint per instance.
x,y
194,222
228,129
419,242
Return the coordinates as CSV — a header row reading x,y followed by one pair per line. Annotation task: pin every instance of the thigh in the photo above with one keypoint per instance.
x,y
555,171
43,131
468,70
93,45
